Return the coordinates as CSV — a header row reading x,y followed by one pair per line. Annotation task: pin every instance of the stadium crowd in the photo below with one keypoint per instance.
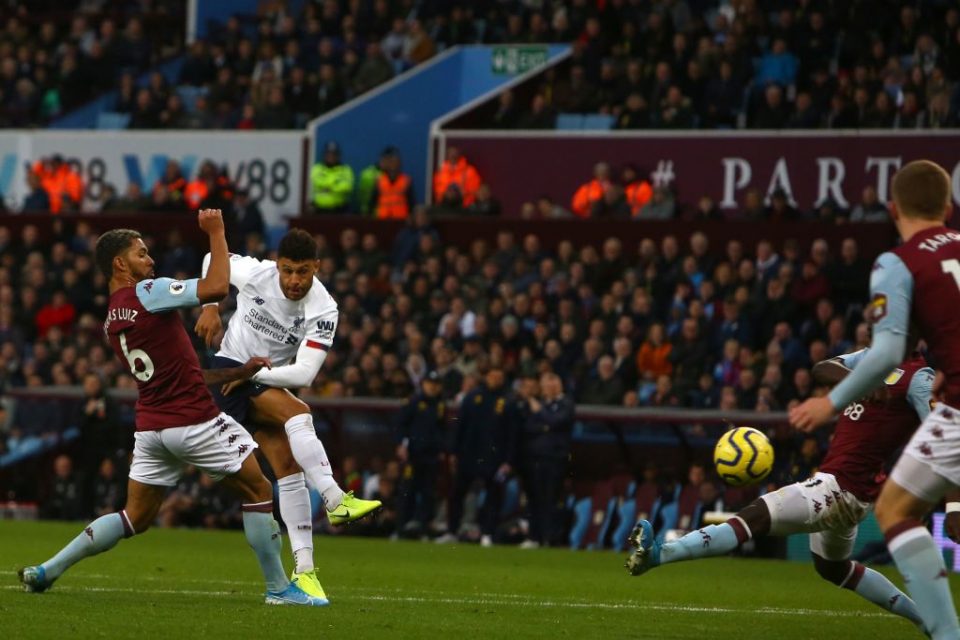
x,y
672,64
654,325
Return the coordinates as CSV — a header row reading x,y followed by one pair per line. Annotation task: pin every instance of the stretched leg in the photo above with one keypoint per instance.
x,y
867,583
782,512
278,408
910,492
293,496
262,531
491,506
143,504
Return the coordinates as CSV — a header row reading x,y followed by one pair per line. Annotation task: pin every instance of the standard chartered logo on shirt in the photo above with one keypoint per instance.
x,y
264,324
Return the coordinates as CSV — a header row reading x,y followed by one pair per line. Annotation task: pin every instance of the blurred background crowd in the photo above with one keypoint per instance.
x,y
673,64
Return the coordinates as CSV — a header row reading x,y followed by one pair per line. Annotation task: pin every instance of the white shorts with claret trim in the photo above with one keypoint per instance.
x,y
818,506
930,463
218,448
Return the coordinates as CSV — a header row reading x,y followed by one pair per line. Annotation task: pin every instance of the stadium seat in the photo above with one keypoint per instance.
x,y
627,518
582,510
189,96
112,120
668,519
570,121
598,121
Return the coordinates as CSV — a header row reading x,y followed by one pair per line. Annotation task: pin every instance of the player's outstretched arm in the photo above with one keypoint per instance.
x,y
215,284
234,374
891,289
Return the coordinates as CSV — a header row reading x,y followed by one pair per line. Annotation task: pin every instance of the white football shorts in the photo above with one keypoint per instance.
x,y
818,506
930,463
217,448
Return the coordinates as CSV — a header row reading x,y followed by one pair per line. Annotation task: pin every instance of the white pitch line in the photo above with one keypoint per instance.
x,y
502,600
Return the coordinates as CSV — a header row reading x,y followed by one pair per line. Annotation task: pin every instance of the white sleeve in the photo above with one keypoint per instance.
x,y
299,374
242,268
310,355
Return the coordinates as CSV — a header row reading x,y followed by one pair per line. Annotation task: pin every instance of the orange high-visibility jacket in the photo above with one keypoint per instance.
x,y
462,174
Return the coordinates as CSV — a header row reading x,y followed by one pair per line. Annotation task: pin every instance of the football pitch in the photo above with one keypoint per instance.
x,y
206,585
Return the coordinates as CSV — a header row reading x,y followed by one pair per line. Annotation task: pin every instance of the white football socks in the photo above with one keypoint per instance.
x,y
309,453
294,499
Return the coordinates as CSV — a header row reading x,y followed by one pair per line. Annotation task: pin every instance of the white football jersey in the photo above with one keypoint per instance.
x,y
269,324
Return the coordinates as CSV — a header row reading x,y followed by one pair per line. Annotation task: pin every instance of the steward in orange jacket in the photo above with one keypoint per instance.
x,y
637,190
392,196
63,185
456,170
592,191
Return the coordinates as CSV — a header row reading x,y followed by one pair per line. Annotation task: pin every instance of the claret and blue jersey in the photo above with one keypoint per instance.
x,y
155,347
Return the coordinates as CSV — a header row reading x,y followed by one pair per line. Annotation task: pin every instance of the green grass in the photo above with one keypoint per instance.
x,y
204,585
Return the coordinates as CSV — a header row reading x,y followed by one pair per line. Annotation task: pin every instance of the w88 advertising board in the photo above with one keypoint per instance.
x,y
268,164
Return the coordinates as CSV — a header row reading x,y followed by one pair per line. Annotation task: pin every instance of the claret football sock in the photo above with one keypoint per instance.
x,y
294,499
875,587
263,534
921,564
712,540
309,453
100,535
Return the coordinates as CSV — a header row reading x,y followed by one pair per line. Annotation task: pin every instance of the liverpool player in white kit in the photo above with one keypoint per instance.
x,y
285,313
177,421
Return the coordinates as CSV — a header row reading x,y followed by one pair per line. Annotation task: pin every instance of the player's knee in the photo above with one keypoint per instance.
x,y
831,570
140,519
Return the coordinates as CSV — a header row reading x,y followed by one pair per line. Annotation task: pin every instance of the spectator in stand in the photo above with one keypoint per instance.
x,y
591,192
172,180
773,112
65,501
332,182
392,197
484,203
653,357
613,205
37,200
606,388
660,207
635,114
274,114
675,111
869,209
540,116
778,66
248,220
456,170
107,491
132,199
59,313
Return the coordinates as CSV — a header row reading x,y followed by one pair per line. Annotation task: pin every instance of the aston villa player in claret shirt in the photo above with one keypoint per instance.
x,y
917,285
830,505
177,421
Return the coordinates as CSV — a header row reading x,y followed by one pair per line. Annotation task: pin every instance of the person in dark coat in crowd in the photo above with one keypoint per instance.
x,y
484,452
420,433
546,450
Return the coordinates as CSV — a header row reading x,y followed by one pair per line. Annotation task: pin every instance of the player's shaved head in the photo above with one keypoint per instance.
x,y
110,245
921,189
297,245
